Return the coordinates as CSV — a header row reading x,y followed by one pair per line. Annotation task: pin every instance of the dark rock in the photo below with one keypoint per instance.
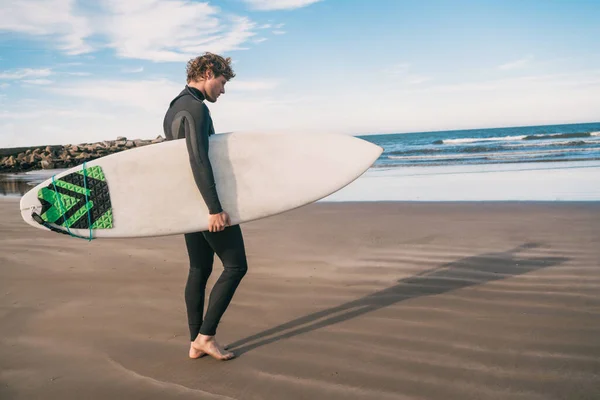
x,y
67,156
46,164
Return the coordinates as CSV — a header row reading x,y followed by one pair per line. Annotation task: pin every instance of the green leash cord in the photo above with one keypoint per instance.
x,y
87,207
87,203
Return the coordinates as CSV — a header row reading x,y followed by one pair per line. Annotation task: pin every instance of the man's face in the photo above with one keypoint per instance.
x,y
214,87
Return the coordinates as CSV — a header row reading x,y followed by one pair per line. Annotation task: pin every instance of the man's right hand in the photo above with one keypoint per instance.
x,y
218,222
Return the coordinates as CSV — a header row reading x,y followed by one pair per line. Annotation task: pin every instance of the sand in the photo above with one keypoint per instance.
x,y
342,301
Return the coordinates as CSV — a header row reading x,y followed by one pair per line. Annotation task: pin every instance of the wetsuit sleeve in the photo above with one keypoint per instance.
x,y
197,144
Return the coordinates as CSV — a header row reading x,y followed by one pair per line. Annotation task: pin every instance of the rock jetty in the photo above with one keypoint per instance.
x,y
24,159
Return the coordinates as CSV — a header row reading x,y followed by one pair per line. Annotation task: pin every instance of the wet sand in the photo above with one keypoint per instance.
x,y
342,301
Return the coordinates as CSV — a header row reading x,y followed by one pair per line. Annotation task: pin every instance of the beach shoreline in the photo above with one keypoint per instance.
x,y
348,300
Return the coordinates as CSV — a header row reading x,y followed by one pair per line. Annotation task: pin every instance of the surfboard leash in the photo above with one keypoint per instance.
x,y
87,203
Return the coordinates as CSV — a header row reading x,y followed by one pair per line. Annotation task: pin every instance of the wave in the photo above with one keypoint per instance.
x,y
491,148
518,137
524,155
419,151
473,140
558,136
484,161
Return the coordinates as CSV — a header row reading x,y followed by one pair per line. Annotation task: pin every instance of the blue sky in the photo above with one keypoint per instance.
x,y
75,71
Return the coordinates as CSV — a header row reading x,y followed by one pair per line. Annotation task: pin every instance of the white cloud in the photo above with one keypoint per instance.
x,y
172,30
37,81
25,73
110,108
45,112
55,20
398,108
417,79
4,85
401,73
70,64
239,85
259,40
156,30
133,70
278,32
79,73
147,95
269,5
523,62
398,69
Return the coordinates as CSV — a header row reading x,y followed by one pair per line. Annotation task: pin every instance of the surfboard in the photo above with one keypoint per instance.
x,y
150,190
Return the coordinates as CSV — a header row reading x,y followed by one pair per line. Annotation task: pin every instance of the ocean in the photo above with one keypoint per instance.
x,y
532,144
546,163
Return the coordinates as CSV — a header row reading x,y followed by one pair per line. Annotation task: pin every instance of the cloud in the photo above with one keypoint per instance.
x,y
37,81
278,32
110,108
172,30
133,70
47,124
398,69
148,95
416,79
54,20
64,113
52,111
70,64
270,5
25,73
259,40
518,84
523,62
238,85
401,73
155,30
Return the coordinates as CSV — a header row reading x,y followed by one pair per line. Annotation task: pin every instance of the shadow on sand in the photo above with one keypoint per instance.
x,y
475,270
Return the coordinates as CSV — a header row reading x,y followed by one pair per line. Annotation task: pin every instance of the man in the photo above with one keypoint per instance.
x,y
189,118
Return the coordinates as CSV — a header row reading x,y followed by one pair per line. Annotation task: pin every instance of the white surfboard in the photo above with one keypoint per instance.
x,y
150,190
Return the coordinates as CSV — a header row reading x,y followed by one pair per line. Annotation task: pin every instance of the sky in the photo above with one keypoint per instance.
x,y
76,71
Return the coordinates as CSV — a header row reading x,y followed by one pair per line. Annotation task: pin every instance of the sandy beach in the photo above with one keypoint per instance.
x,y
381,300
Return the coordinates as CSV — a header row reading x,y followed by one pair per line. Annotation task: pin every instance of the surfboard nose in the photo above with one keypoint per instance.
x,y
369,151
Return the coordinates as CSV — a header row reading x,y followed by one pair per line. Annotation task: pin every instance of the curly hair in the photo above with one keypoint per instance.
x,y
197,67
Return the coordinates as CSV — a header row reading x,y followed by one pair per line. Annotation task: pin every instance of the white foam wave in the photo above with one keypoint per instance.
x,y
493,155
535,143
450,156
492,139
511,138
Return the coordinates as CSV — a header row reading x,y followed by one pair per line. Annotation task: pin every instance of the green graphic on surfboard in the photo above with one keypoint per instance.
x,y
64,202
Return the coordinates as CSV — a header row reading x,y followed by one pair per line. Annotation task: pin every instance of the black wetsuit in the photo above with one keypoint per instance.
x,y
189,118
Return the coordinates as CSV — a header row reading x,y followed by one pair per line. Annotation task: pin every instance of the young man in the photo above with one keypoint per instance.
x,y
189,118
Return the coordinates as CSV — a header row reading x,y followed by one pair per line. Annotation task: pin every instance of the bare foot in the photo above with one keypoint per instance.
x,y
196,353
209,345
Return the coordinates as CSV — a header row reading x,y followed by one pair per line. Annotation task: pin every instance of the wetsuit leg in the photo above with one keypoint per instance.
x,y
229,246
201,257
